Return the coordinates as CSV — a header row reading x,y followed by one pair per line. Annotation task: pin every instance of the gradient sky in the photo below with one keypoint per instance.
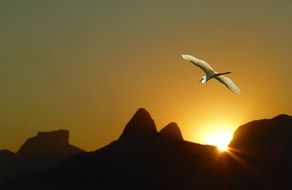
x,y
87,66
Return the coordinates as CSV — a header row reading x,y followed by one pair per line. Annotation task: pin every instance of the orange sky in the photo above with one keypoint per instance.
x,y
88,66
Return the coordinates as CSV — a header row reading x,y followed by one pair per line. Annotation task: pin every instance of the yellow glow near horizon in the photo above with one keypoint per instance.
x,y
220,139
217,131
64,72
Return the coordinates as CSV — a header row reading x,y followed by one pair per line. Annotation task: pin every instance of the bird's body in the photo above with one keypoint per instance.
x,y
211,73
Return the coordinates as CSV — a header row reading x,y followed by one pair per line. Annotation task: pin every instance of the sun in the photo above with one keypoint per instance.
x,y
222,147
220,139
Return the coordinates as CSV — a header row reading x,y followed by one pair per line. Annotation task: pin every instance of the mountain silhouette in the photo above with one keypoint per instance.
x,y
171,132
143,158
140,128
47,148
266,145
38,152
265,133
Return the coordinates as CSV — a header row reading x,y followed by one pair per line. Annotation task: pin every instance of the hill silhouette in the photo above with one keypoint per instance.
x,y
140,128
171,132
46,148
265,134
143,158
37,153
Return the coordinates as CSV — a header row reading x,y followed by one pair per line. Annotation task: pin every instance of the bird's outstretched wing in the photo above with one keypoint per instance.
x,y
200,63
228,83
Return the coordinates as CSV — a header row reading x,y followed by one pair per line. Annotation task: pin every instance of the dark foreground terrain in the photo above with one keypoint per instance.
x,y
142,158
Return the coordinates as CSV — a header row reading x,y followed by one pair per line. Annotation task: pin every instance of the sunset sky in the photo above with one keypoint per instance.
x,y
87,66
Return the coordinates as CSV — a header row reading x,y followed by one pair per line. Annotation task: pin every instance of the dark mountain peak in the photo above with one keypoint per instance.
x,y
141,127
265,133
38,152
142,112
165,164
171,131
45,140
54,144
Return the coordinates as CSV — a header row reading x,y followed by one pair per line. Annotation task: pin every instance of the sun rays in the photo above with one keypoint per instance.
x,y
220,139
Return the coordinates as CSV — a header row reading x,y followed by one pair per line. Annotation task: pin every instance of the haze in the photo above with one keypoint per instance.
x,y
88,66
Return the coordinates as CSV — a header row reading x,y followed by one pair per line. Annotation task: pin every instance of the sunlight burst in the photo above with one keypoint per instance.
x,y
220,139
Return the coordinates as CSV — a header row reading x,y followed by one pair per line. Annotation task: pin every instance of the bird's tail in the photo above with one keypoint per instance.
x,y
225,73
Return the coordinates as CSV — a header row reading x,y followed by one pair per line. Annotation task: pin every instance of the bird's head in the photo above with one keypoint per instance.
x,y
203,80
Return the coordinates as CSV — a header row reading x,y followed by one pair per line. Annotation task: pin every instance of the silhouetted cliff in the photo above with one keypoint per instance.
x,y
39,152
266,133
143,158
46,148
139,159
266,145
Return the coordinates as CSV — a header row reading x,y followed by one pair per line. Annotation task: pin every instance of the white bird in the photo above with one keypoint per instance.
x,y
211,73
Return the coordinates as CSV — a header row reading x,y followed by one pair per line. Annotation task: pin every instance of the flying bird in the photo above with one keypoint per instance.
x,y
211,73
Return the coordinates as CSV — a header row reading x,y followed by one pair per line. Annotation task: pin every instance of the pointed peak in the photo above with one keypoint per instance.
x,y
171,131
142,110
141,127
171,125
142,113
